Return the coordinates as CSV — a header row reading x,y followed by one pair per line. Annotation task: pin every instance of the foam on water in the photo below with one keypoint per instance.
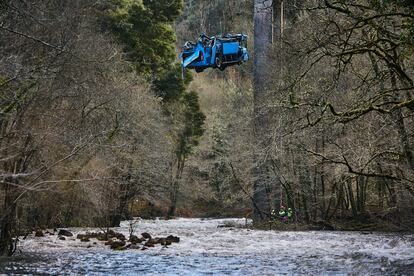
x,y
207,249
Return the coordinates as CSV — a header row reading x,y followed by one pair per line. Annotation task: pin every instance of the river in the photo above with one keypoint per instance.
x,y
206,249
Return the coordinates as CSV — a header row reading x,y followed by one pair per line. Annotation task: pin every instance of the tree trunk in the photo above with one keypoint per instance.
x,y
175,182
404,195
173,199
351,198
121,211
8,221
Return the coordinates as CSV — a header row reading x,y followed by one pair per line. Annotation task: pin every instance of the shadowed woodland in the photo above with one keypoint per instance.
x,y
98,125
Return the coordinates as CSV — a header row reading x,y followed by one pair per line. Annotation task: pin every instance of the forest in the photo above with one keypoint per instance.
x,y
98,123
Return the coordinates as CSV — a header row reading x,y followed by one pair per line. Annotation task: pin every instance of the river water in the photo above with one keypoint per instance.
x,y
206,249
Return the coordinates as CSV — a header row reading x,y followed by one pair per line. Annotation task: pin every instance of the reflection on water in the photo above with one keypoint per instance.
x,y
206,249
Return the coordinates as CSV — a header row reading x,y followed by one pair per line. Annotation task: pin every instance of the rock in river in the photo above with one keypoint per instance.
x,y
134,239
173,238
66,233
85,239
117,244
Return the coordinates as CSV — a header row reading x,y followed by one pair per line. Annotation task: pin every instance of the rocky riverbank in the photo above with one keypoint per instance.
x,y
114,240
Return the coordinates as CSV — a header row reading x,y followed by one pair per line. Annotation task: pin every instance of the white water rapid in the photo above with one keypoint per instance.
x,y
206,249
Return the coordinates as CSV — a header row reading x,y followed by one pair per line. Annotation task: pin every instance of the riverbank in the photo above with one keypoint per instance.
x,y
344,225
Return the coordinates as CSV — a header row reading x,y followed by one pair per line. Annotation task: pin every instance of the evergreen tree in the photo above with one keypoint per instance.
x,y
145,30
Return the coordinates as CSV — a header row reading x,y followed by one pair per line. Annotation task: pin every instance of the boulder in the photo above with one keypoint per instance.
x,y
154,240
120,236
85,239
134,239
92,234
39,233
146,236
62,238
117,244
66,233
162,241
102,237
149,244
173,238
134,246
109,242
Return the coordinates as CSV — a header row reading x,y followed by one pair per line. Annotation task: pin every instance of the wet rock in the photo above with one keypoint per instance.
x,y
120,236
161,241
111,234
102,237
173,238
39,233
62,238
109,242
117,245
154,240
85,239
134,239
134,246
144,248
66,233
149,244
146,236
92,234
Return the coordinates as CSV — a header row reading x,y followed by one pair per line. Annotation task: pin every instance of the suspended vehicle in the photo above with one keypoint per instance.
x,y
214,52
